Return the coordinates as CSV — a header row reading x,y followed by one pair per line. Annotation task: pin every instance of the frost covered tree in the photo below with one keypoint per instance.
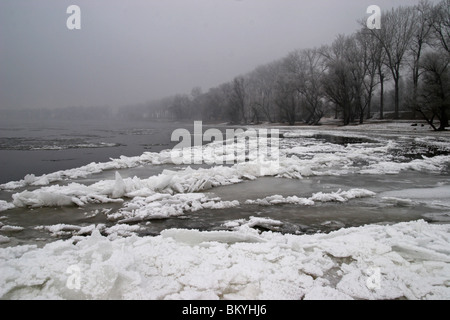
x,y
342,82
261,87
347,73
238,100
397,30
441,26
434,89
181,107
370,56
338,86
310,85
287,98
434,92
423,17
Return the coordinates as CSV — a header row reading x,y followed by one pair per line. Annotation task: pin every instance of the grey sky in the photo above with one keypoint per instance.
x,y
131,51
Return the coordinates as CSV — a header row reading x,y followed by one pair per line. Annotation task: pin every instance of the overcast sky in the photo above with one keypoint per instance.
x,y
132,51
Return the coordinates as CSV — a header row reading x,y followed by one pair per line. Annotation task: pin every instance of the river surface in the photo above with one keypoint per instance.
x,y
341,160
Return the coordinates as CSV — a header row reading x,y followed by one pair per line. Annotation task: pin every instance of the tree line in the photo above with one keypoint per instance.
x,y
398,71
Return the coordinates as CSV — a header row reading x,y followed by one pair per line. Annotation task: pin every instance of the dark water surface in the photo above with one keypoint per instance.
x,y
45,147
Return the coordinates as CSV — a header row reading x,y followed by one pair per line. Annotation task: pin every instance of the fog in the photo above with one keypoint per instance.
x,y
135,51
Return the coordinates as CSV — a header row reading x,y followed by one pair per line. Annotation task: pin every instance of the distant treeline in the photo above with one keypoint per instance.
x,y
398,71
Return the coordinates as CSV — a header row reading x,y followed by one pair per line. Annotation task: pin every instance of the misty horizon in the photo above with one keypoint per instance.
x,y
131,53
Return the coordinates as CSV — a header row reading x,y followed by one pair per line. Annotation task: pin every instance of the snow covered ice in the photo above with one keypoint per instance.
x,y
413,260
148,237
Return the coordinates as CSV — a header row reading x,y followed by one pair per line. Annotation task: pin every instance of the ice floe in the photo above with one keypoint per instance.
x,y
297,156
434,164
8,228
253,222
159,206
338,196
79,232
5,205
407,260
4,239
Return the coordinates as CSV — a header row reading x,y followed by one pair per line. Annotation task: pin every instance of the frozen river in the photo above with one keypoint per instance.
x,y
327,179
408,175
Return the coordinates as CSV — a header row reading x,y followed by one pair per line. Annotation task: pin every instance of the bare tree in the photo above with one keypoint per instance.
x,y
423,17
343,82
441,25
286,94
238,100
338,85
180,107
375,62
370,53
310,85
435,90
397,30
359,54
262,89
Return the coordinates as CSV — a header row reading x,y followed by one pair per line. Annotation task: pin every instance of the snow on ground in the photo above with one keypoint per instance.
x,y
441,143
406,260
379,126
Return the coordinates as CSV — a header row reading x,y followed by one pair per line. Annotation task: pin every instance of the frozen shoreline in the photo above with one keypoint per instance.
x,y
405,260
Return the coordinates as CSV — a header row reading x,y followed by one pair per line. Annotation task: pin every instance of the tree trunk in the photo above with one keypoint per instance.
x,y
443,119
347,113
381,94
397,99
